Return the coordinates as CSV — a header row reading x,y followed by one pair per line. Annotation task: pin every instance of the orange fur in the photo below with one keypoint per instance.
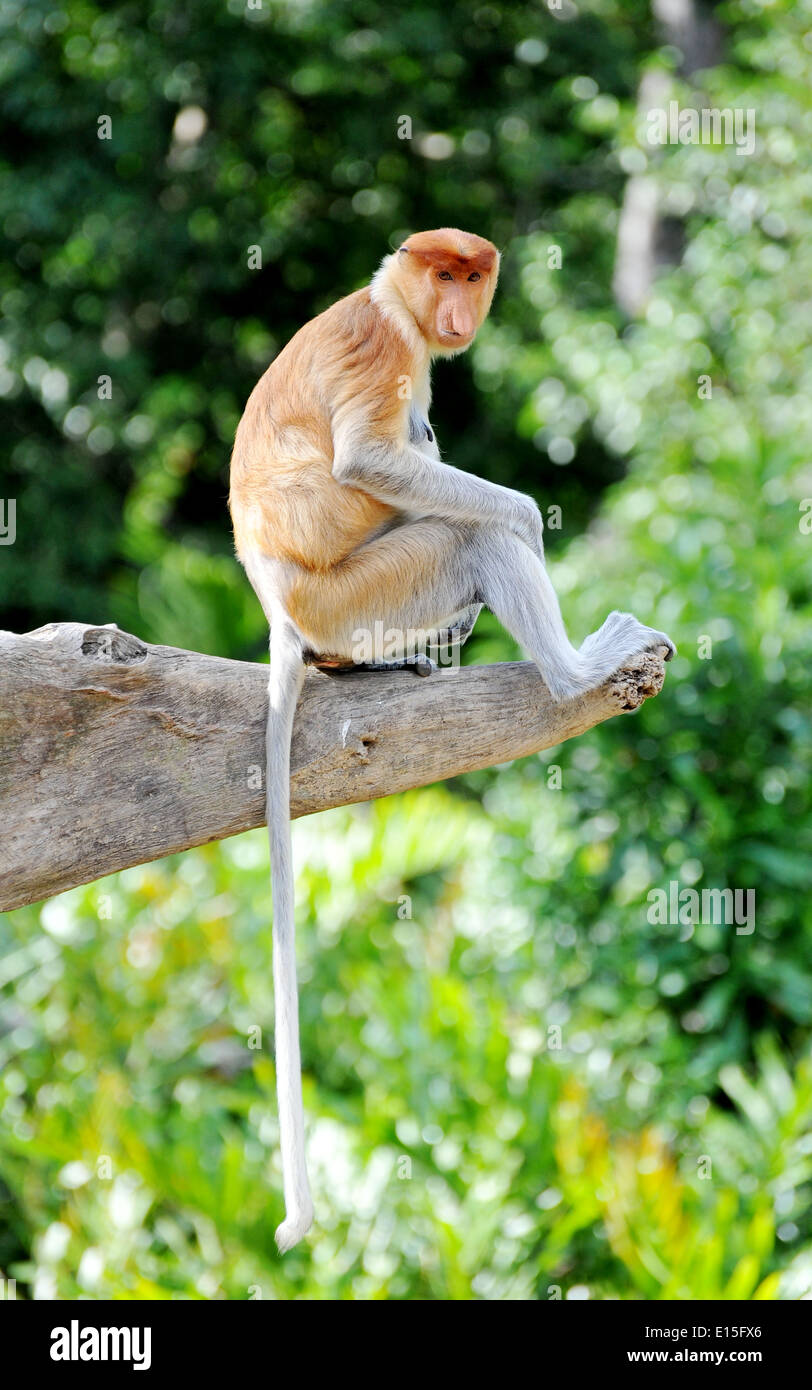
x,y
405,564
354,366
335,414
435,303
284,500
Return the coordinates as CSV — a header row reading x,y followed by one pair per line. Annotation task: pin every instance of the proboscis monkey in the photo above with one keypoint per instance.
x,y
348,523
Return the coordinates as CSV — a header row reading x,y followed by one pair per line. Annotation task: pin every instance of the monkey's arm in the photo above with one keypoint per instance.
x,y
413,481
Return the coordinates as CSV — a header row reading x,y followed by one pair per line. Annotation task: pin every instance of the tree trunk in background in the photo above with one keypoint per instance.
x,y
641,247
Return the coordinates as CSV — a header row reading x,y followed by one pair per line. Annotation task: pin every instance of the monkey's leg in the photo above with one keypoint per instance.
x,y
516,587
426,569
438,643
392,598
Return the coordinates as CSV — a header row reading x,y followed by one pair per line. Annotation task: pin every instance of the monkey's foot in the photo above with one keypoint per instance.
x,y
622,636
618,641
421,664
291,1230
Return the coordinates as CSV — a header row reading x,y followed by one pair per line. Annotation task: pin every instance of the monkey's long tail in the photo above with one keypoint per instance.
x,y
287,672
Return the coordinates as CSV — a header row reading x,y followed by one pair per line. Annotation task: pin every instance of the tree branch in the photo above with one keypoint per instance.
x,y
113,752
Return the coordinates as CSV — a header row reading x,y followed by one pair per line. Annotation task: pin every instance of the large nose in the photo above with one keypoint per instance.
x,y
458,318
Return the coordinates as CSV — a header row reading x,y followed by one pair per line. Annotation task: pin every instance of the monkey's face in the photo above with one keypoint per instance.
x,y
447,279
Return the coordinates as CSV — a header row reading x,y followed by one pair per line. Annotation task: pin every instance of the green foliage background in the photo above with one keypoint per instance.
x,y
518,1086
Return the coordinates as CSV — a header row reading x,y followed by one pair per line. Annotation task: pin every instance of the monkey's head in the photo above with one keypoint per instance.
x,y
447,279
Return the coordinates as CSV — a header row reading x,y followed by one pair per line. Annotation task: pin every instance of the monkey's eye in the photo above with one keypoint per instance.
x,y
444,275
475,275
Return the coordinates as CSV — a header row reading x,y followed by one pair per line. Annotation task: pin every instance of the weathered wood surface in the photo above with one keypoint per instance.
x,y
113,752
